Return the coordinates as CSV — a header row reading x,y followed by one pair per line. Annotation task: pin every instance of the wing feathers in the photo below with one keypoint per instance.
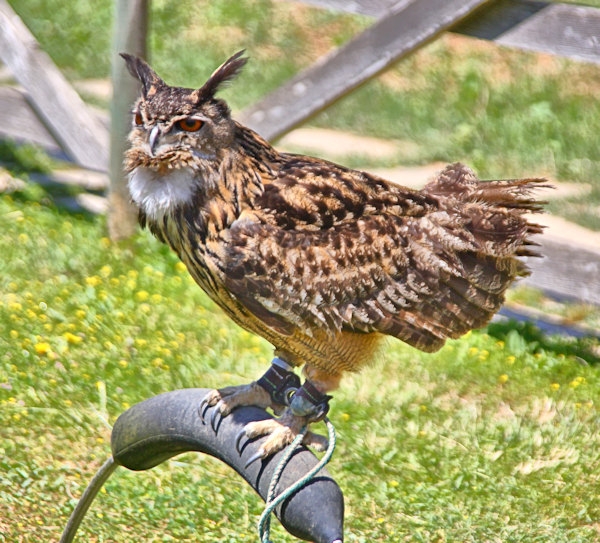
x,y
422,277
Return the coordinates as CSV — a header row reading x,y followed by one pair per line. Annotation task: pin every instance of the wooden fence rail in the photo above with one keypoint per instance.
x,y
60,109
404,26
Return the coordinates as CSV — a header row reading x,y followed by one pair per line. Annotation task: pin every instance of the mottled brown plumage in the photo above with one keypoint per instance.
x,y
321,260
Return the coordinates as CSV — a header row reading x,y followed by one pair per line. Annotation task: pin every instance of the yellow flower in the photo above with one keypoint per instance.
x,y
554,386
14,334
105,271
93,281
473,351
14,306
141,295
42,348
105,243
72,338
180,267
123,363
503,378
577,381
510,360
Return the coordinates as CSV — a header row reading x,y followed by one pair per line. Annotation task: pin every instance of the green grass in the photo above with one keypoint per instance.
x,y
494,438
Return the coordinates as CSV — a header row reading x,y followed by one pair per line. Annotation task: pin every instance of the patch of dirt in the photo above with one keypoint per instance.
x,y
323,142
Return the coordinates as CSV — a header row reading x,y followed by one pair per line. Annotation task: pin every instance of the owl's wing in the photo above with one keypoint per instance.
x,y
422,278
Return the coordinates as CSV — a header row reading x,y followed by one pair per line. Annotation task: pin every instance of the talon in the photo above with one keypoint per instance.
x,y
257,456
213,419
238,439
204,407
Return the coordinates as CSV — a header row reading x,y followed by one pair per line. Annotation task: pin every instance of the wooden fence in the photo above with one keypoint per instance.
x,y
47,111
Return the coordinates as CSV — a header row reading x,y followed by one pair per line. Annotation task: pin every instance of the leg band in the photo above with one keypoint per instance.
x,y
280,383
310,402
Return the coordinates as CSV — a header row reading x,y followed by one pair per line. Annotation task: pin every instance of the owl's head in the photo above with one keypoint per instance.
x,y
174,127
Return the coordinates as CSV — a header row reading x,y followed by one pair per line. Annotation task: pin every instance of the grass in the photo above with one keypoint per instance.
x,y
494,438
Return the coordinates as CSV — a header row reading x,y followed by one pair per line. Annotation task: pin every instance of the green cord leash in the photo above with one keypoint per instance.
x,y
264,523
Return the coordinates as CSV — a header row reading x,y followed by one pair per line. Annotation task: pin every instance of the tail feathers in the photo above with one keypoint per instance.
x,y
494,211
478,263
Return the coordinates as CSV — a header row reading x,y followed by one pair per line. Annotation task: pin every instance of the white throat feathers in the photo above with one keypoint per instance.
x,y
159,193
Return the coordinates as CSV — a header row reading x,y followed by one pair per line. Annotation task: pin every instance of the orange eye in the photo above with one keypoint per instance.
x,y
138,119
190,125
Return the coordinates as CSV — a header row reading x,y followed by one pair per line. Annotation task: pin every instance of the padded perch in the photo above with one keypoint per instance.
x,y
164,426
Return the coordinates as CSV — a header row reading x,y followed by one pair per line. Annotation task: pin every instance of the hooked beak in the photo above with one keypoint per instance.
x,y
153,139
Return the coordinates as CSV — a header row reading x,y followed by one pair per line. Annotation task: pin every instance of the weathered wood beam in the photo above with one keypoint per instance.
x,y
567,270
18,121
63,112
131,28
560,29
400,33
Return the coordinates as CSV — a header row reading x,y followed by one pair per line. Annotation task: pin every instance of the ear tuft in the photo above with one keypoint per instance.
x,y
141,70
222,75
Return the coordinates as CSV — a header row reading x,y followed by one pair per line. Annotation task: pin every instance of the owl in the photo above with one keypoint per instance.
x,y
321,260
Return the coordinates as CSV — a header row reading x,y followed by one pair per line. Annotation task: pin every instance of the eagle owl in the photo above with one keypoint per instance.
x,y
321,260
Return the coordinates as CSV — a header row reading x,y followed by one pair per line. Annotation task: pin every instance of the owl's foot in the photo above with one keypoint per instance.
x,y
307,405
274,389
281,432
278,388
225,400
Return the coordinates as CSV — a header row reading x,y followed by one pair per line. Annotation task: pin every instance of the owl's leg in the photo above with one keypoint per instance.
x,y
274,389
309,404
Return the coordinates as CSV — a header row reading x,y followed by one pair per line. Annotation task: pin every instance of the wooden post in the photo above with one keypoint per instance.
x,y
130,29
